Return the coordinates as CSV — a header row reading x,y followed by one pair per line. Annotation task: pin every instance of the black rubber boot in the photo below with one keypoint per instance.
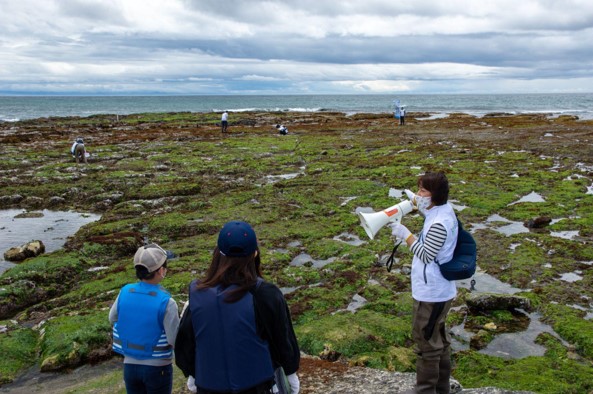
x,y
427,375
443,384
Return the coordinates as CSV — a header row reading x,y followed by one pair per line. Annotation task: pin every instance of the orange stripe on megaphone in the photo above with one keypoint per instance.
x,y
392,212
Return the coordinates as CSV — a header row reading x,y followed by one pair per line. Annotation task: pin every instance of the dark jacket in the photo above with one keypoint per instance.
x,y
273,324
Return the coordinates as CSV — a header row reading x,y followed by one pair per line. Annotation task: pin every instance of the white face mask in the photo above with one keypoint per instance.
x,y
423,203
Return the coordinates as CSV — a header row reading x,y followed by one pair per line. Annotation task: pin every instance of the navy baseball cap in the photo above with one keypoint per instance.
x,y
237,239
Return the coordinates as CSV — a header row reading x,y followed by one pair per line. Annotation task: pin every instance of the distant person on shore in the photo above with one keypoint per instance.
x,y
237,328
432,293
146,320
224,121
402,116
78,151
282,129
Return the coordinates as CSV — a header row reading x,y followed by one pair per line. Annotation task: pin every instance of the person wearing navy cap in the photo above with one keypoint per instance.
x,y
237,329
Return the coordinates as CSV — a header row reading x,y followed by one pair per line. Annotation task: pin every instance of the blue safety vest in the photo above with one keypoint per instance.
x,y
139,330
230,355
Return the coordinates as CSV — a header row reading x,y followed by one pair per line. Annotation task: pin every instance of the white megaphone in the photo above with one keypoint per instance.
x,y
372,222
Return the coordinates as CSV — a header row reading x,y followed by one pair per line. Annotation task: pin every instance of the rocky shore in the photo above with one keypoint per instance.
x,y
523,184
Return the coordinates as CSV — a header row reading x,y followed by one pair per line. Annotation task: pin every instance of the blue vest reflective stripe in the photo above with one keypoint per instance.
x,y
139,330
230,355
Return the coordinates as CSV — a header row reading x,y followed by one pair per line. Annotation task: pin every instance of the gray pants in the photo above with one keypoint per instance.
x,y
432,346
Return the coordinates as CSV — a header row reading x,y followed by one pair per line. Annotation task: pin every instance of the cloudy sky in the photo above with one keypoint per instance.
x,y
295,46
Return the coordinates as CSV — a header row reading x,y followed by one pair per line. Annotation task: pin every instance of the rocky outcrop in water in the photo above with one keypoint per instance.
x,y
20,253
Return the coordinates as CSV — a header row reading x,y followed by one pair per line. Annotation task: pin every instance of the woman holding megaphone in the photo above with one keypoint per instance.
x,y
432,293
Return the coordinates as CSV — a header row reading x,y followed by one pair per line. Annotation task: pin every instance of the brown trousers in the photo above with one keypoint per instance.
x,y
432,346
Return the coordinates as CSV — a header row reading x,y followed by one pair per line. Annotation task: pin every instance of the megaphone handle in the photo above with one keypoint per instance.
x,y
391,258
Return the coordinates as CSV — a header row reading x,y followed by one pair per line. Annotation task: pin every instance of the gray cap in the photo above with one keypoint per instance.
x,y
151,256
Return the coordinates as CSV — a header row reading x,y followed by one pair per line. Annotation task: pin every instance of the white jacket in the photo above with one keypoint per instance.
x,y
428,284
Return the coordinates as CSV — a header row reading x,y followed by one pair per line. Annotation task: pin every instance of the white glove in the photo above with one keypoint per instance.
x,y
191,384
411,197
295,384
400,231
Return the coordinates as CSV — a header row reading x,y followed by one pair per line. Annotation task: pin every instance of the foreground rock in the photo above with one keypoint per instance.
x,y
20,253
316,376
319,376
488,301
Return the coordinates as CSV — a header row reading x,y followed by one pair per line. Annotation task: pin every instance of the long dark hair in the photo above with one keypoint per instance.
x,y
226,271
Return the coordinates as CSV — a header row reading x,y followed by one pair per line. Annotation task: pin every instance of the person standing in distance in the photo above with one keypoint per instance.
x,y
432,293
224,121
402,116
146,320
237,328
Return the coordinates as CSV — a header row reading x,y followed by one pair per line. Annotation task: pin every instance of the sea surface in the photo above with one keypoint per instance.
x,y
14,108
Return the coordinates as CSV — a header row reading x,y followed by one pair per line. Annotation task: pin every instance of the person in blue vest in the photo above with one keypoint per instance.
x,y
237,329
432,293
146,320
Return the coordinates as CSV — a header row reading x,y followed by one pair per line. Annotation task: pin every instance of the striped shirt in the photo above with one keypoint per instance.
x,y
435,239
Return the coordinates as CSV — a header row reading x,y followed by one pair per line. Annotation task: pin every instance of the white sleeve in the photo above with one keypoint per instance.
x,y
295,384
113,311
171,321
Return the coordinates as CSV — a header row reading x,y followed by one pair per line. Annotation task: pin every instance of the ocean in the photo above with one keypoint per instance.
x,y
15,108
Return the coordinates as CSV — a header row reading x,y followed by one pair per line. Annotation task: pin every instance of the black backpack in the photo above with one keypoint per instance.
x,y
463,263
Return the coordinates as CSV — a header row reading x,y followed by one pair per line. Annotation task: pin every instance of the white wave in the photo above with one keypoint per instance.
x,y
4,119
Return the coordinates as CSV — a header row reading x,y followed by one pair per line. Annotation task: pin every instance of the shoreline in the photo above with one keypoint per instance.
x,y
419,115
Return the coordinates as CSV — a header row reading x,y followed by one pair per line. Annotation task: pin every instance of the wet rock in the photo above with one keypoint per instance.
x,y
478,302
481,340
55,201
321,376
406,269
19,295
123,243
104,205
497,114
567,118
539,222
33,202
14,199
116,196
28,215
58,362
329,354
244,122
20,253
161,167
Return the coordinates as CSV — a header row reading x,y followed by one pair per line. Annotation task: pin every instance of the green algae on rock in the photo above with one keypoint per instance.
x,y
174,179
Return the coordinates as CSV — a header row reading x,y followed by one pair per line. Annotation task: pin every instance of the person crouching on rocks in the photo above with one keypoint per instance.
x,y
237,328
146,320
282,129
78,150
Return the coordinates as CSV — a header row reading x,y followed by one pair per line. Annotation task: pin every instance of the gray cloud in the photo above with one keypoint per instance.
x,y
294,46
